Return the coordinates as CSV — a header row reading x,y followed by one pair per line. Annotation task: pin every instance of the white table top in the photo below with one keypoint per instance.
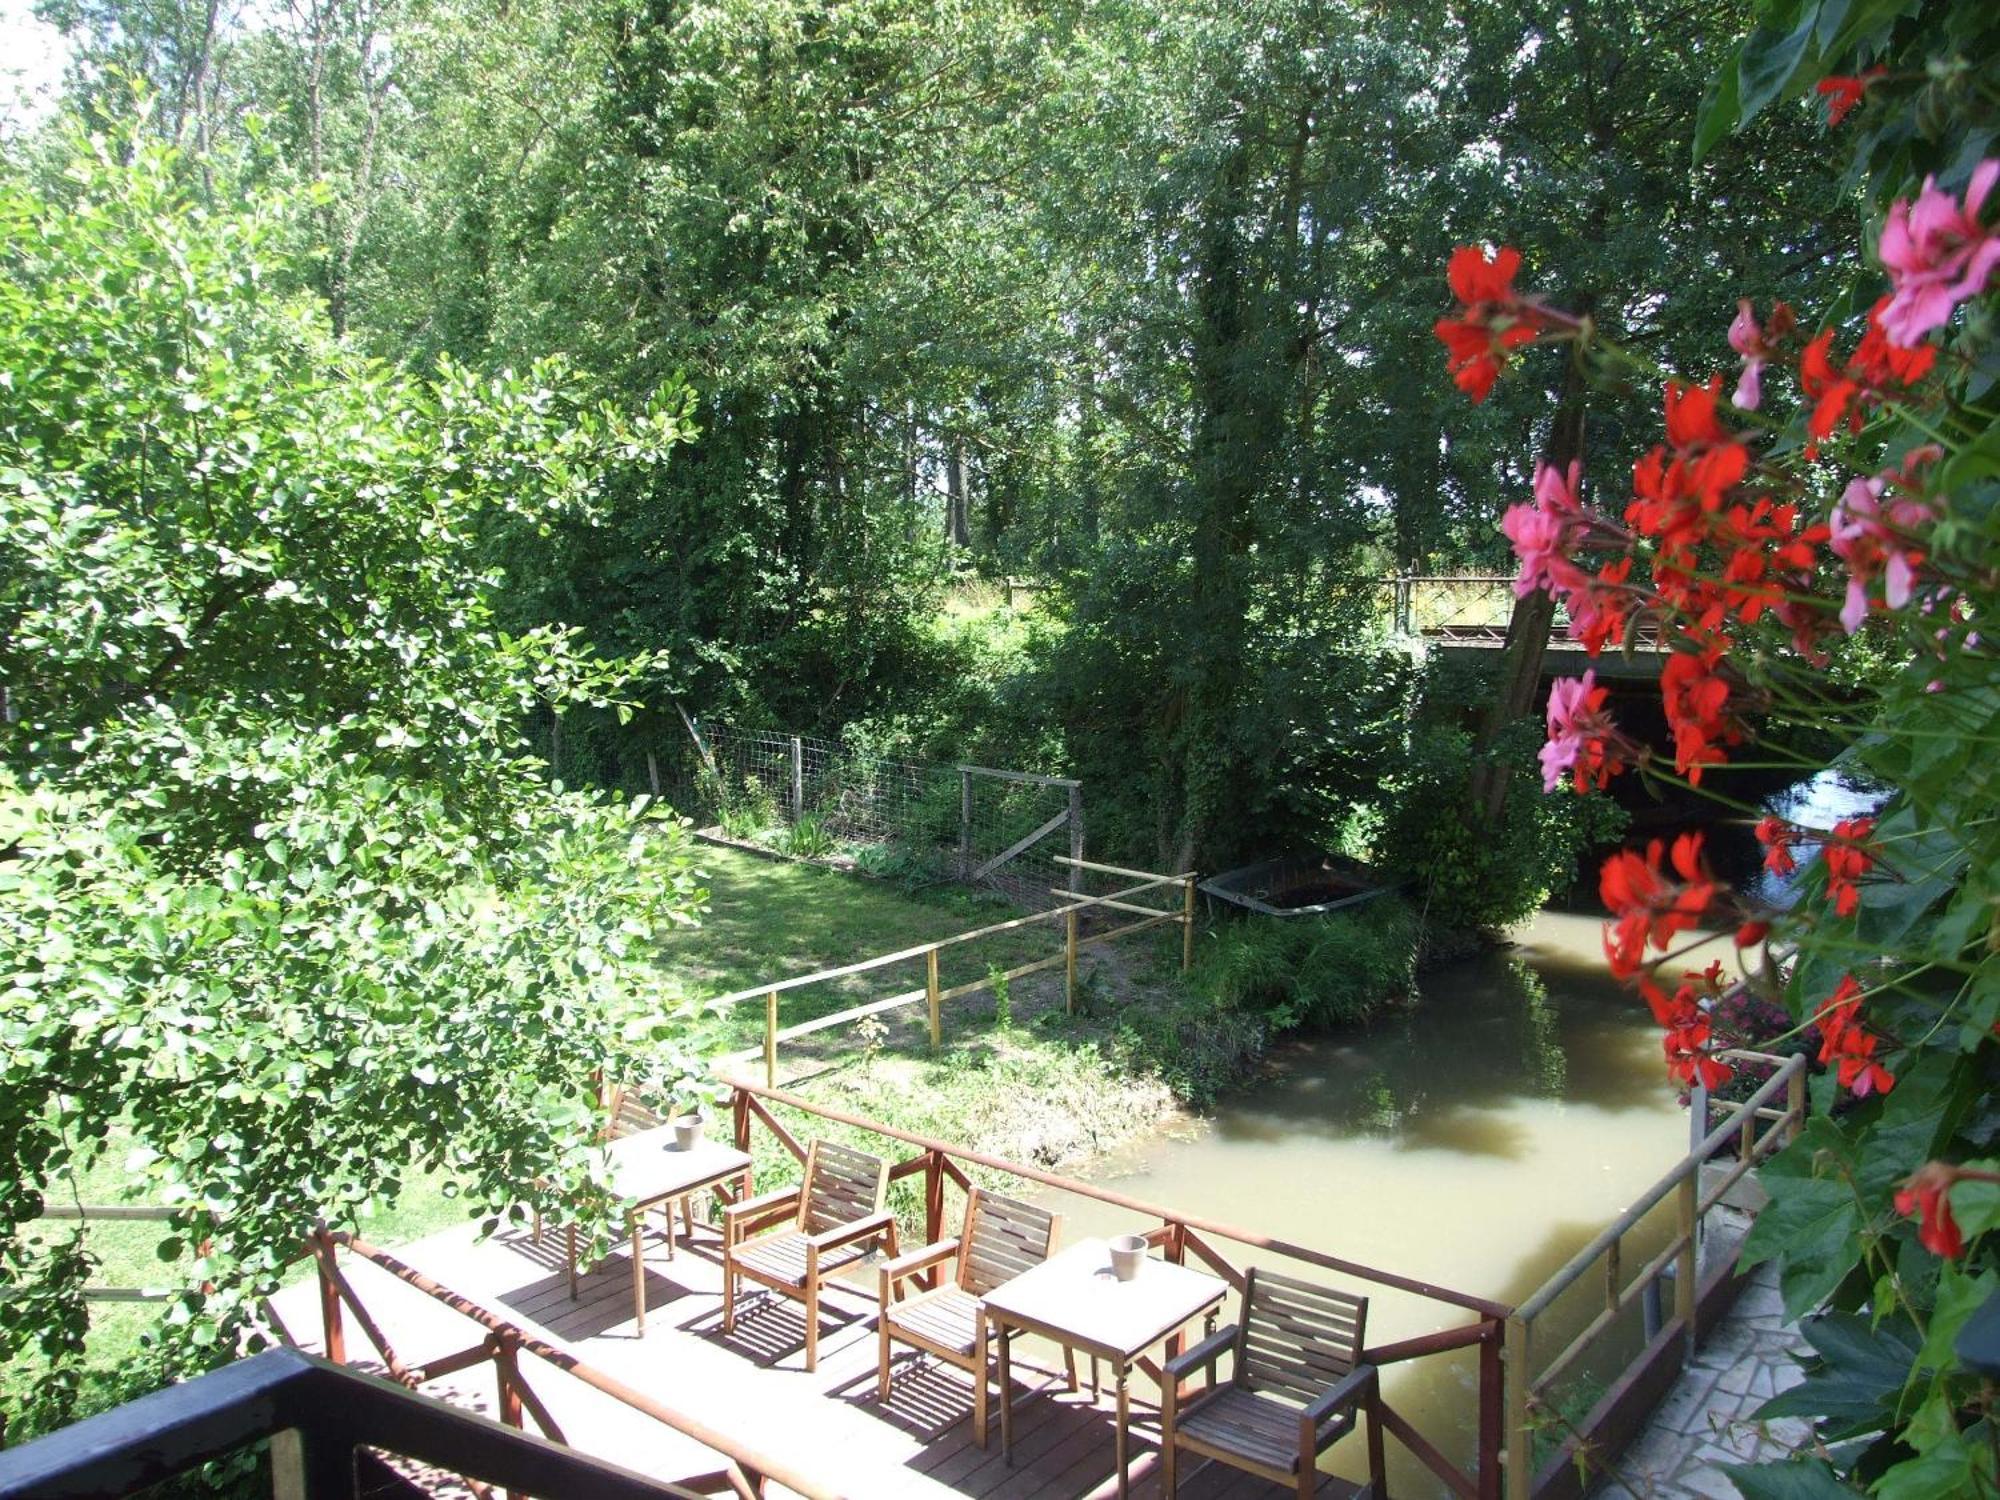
x,y
648,1167
1074,1297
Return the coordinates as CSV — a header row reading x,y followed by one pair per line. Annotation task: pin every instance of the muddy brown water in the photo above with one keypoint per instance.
x,y
1474,1142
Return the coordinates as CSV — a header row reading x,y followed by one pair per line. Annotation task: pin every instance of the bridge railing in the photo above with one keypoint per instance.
x,y
1454,606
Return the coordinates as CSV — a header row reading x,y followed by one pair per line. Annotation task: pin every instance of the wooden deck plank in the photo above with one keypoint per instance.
x,y
752,1381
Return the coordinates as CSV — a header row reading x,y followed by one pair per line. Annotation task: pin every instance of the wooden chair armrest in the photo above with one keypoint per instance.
x,y
1346,1391
842,1234
893,1271
1207,1352
753,1214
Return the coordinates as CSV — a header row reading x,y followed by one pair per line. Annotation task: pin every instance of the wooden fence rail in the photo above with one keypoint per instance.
x,y
1181,1236
114,1213
1754,1129
743,1470
933,995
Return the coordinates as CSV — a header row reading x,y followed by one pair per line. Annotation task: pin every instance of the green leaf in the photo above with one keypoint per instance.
x,y
1720,108
1772,55
1799,1479
1812,1229
1959,1296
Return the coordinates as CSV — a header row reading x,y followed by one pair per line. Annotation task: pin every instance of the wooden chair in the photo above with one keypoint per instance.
x,y
830,1220
1002,1238
1296,1388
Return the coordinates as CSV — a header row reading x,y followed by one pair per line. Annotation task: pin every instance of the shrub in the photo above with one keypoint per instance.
x,y
1336,970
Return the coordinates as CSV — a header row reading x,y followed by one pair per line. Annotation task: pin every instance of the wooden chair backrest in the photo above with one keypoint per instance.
x,y
841,1185
1003,1237
1296,1339
629,1116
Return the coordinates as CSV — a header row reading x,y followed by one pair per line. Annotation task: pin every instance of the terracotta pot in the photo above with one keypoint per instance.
x,y
687,1132
1128,1253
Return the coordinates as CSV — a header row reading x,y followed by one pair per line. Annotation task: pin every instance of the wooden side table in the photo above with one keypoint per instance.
x,y
648,1168
1073,1298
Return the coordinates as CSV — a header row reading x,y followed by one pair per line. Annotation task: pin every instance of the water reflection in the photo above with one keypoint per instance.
x,y
1474,1142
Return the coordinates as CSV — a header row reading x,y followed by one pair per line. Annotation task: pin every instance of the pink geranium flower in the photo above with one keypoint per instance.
x,y
1877,529
1583,741
1756,343
1544,533
1937,254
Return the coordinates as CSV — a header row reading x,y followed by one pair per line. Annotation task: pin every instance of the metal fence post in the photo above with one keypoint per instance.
x,y
964,821
1520,1441
1686,1277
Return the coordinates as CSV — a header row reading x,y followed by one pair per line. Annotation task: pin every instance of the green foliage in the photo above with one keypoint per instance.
x,y
1467,874
1003,997
1333,970
284,908
809,837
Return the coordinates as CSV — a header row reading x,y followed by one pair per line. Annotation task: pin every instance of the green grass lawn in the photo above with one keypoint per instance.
x,y
773,919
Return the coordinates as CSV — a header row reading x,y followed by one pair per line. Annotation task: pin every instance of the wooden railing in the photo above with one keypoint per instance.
x,y
742,1470
1754,1128
1181,1236
933,995
89,1213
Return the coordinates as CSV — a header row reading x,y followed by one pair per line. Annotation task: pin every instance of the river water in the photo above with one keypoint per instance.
x,y
1474,1142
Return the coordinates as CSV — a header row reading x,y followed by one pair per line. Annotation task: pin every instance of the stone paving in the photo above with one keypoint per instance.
x,y
1705,1420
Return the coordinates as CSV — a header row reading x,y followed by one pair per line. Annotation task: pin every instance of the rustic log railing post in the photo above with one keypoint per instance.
x,y
1187,924
740,1106
770,1039
931,998
1069,963
933,1210
1492,1396
329,1299
507,1375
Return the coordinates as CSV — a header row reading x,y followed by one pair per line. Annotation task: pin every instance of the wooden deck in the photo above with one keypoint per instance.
x,y
752,1384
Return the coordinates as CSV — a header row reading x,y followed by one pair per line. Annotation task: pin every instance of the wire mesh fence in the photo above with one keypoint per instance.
x,y
998,830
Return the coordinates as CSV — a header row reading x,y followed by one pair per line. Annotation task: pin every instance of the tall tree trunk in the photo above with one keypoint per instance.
x,y
1527,632
957,514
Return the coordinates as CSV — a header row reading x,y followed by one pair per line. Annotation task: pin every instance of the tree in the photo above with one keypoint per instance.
x,y
289,914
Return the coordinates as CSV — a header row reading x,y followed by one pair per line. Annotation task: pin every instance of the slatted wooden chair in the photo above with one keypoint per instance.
x,y
793,1239
1297,1386
1002,1238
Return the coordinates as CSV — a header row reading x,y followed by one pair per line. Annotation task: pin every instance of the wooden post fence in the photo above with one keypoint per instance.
x,y
933,994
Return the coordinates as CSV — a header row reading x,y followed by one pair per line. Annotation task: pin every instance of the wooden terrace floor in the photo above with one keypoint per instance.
x,y
752,1383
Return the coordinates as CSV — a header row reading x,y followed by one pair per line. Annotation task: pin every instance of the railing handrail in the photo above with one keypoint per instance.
x,y
334,1409
1249,1237
1574,1269
935,945
737,1451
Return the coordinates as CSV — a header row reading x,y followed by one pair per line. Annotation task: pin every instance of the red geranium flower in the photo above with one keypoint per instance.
x,y
1777,837
1493,321
1850,1046
1928,1195
1844,93
1648,906
1847,860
